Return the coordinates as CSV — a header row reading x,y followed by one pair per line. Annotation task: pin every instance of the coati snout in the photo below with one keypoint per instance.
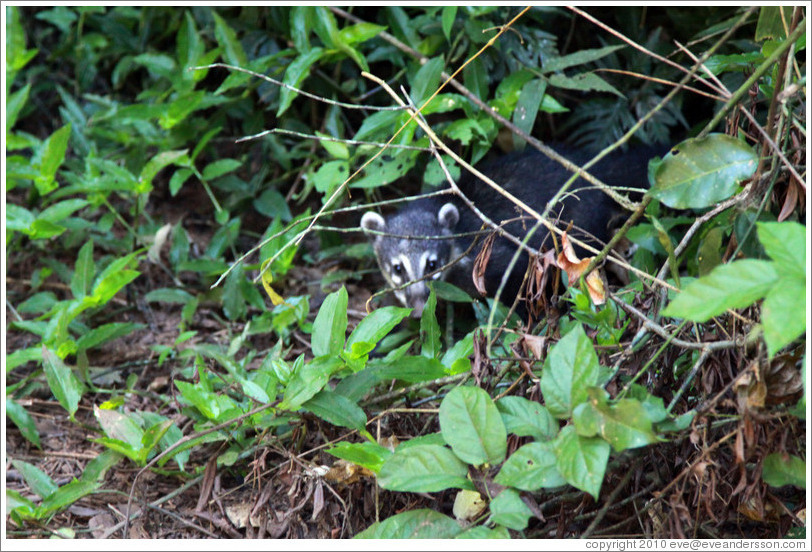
x,y
422,238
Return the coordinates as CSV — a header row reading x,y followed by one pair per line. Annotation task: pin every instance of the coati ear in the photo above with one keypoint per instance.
x,y
448,216
372,221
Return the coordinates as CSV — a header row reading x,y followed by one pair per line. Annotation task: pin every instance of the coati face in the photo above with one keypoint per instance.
x,y
406,256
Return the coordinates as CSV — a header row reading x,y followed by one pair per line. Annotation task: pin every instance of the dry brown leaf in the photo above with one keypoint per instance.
x,y
346,473
569,262
481,263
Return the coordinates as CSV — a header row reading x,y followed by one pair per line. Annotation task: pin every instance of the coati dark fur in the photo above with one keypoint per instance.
x,y
411,253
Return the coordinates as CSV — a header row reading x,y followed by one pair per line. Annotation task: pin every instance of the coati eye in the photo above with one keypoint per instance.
x,y
431,264
397,268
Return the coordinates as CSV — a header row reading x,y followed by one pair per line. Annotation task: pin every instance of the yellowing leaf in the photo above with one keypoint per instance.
x,y
267,279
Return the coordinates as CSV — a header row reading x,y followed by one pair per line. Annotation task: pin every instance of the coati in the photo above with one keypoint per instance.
x,y
413,249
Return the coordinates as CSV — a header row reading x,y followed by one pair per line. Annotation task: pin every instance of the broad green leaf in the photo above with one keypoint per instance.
x,y
84,271
368,455
62,210
119,426
581,57
21,356
105,333
771,22
300,18
385,169
472,426
426,80
39,483
337,150
330,175
14,103
23,420
524,418
569,370
781,469
159,65
414,524
581,460
527,108
18,505
624,424
360,32
52,156
180,108
729,286
701,172
234,305
430,345
424,469
783,313
63,383
330,325
377,125
158,162
65,496
530,468
151,438
233,52
296,72
482,532
785,243
96,468
309,380
449,14
219,168
455,359
583,82
168,295
336,409
509,510
375,326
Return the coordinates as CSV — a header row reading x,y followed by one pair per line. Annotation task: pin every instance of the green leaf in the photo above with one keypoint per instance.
x,y
375,326
530,468
299,25
570,368
39,483
527,107
96,468
233,52
624,424
65,496
62,210
63,383
583,82
180,108
296,72
52,156
509,510
105,333
783,313
731,286
119,426
151,438
368,455
309,380
581,57
360,32
426,80
781,469
337,150
424,469
581,460
701,172
414,524
456,359
785,243
449,14
337,410
84,271
330,176
524,418
330,325
385,169
219,168
23,420
14,103
158,162
430,345
471,424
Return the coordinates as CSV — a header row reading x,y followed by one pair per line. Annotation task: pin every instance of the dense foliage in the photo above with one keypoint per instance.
x,y
188,290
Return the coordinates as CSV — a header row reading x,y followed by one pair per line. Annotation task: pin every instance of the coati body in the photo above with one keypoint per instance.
x,y
421,242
